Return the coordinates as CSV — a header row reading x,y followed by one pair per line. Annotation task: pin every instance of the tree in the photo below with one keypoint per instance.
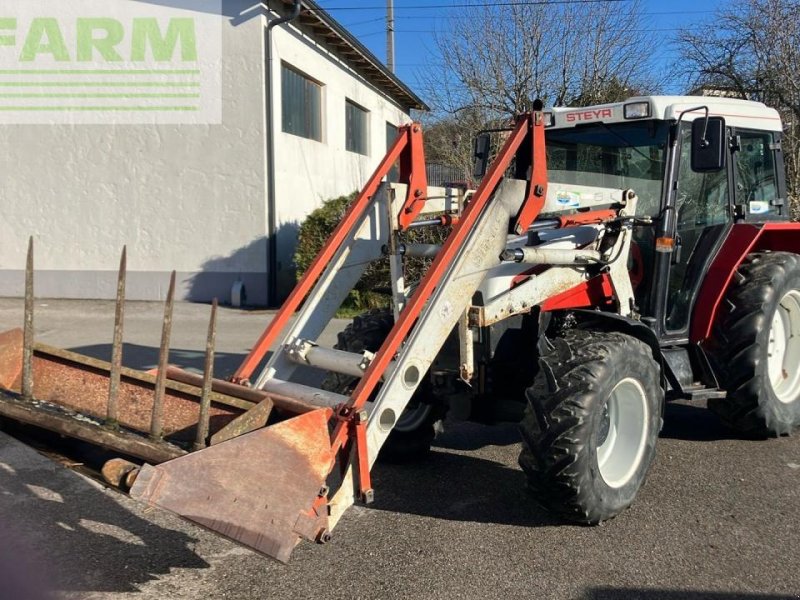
x,y
497,59
751,49
449,139
500,58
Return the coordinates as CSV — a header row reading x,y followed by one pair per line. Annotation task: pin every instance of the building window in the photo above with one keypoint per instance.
x,y
356,128
391,136
301,104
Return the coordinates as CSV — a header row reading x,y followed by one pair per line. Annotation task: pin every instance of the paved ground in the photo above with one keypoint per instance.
x,y
718,518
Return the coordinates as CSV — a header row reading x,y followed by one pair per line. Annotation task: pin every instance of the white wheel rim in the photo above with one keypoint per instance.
x,y
624,426
783,349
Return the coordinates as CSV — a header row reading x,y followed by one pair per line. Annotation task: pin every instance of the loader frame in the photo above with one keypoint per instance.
x,y
528,136
361,421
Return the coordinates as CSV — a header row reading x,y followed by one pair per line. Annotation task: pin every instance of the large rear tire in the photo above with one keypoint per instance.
x,y
755,346
591,425
417,427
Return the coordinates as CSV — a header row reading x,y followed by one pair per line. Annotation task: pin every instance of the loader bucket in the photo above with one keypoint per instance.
x,y
223,467
265,489
261,486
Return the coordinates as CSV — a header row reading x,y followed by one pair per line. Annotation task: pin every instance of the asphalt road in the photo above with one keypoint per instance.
x,y
719,517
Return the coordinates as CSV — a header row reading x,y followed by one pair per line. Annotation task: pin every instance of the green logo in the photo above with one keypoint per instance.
x,y
104,39
64,59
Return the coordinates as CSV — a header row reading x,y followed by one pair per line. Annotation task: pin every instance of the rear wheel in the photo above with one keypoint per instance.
x,y
755,346
590,428
417,426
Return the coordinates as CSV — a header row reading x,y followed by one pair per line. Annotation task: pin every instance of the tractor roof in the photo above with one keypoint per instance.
x,y
738,113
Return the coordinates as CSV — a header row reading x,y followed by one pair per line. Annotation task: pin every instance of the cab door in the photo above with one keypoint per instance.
x,y
703,213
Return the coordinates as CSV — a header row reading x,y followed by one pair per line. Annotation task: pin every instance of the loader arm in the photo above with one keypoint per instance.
x,y
267,459
360,423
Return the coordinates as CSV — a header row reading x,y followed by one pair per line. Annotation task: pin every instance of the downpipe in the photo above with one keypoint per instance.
x,y
272,242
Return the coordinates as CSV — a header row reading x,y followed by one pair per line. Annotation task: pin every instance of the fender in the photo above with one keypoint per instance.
x,y
743,239
608,321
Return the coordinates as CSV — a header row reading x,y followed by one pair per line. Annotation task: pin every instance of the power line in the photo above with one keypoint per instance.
x,y
645,13
586,29
470,5
446,17
365,22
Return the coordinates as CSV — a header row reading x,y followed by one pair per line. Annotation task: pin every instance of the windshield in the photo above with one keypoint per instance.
x,y
620,156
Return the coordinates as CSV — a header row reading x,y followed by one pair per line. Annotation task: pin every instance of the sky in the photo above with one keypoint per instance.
x,y
417,21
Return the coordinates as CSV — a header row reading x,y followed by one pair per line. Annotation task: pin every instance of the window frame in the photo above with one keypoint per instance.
x,y
365,134
306,132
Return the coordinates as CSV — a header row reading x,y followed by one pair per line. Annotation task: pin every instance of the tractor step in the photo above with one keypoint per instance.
x,y
701,392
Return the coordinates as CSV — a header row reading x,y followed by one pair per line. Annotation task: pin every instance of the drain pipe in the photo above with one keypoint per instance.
x,y
272,242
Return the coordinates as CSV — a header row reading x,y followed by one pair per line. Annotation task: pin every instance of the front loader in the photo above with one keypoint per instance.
x,y
611,258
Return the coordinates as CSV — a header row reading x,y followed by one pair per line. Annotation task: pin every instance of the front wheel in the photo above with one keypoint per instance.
x,y
591,425
415,430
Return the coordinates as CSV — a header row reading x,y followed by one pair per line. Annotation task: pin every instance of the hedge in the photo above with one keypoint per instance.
x,y
372,290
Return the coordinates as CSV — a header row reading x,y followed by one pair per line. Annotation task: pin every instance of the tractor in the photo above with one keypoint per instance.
x,y
611,259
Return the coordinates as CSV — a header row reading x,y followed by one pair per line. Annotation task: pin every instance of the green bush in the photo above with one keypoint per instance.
x,y
311,237
320,224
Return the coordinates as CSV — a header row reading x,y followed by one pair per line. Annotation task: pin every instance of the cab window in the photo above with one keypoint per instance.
x,y
703,198
618,156
756,179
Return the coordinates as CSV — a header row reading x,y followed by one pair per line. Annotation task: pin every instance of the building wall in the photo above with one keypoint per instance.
x,y
183,197
310,172
186,197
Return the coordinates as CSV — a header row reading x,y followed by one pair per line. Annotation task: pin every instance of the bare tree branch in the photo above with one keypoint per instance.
x,y
496,60
752,48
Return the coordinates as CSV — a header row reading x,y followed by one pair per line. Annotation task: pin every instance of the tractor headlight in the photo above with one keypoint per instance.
x,y
637,110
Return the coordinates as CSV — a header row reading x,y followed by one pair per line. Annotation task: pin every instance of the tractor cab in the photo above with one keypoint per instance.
x,y
697,164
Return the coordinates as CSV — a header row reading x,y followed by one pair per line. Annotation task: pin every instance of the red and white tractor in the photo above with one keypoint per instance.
x,y
612,258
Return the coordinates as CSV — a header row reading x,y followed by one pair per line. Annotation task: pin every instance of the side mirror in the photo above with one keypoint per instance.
x,y
708,144
483,146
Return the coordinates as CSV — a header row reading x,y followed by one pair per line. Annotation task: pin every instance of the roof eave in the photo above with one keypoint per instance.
x,y
315,17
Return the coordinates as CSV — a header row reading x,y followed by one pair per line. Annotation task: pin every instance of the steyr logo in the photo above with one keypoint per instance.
x,y
589,115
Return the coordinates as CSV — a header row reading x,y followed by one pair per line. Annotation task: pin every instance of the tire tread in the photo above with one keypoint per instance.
x,y
736,347
553,425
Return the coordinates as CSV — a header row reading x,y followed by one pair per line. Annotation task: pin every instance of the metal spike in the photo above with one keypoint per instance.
x,y
27,338
208,376
157,420
116,346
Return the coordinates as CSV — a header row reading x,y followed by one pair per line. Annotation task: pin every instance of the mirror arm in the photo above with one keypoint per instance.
x,y
705,143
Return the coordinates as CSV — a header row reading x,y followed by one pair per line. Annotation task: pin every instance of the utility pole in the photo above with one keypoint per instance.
x,y
390,34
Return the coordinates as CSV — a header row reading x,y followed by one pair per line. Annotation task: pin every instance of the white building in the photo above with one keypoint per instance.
x,y
197,198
